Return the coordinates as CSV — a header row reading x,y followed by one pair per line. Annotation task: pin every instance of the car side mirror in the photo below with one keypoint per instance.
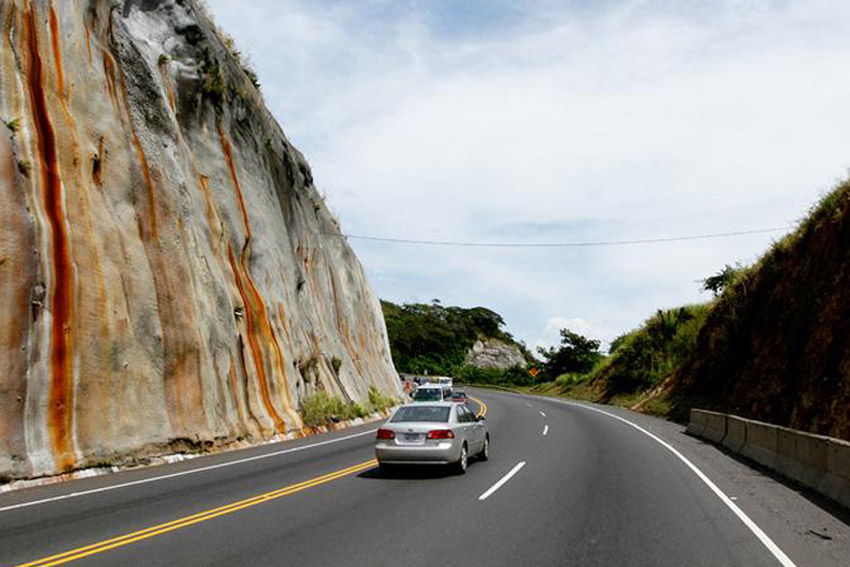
x,y
482,418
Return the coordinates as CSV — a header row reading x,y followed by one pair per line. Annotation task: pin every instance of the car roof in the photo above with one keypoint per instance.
x,y
426,404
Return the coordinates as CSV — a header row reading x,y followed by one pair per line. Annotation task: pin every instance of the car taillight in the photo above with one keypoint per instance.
x,y
385,434
441,434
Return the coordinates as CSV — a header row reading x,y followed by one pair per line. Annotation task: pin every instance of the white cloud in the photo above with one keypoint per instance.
x,y
639,119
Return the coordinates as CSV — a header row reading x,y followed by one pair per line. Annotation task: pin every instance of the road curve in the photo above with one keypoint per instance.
x,y
565,485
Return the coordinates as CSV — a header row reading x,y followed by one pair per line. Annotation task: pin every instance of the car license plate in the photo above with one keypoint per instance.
x,y
411,436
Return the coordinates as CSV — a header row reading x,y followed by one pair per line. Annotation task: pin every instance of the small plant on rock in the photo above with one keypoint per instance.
x,y
14,125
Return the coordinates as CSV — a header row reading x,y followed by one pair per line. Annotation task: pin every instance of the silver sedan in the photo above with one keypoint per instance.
x,y
439,433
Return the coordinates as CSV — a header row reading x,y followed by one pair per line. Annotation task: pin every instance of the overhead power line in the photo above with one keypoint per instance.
x,y
580,244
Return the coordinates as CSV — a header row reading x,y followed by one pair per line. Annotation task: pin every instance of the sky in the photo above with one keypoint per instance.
x,y
556,122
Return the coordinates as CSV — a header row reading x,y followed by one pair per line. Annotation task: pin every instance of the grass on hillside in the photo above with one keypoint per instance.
x,y
639,362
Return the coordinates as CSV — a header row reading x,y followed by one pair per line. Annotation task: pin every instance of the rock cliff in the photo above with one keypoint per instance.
x,y
493,353
169,273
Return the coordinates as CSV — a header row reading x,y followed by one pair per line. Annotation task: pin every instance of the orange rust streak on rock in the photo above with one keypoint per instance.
x,y
212,216
253,304
169,89
60,410
57,54
225,145
149,184
284,324
109,73
278,354
259,319
88,42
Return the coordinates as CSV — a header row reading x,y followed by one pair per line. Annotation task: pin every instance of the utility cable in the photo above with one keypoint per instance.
x,y
585,244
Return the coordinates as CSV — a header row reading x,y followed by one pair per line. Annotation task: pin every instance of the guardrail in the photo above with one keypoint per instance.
x,y
815,461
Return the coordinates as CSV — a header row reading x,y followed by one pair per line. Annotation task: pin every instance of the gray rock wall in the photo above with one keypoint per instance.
x,y
169,272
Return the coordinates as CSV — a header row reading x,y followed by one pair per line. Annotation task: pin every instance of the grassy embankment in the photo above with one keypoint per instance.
x,y
639,361
772,346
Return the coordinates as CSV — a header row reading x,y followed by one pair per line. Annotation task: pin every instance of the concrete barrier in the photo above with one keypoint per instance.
x,y
801,456
836,483
761,443
814,461
696,427
714,425
736,434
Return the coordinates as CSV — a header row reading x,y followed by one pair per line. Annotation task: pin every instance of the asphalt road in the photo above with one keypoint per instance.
x,y
593,490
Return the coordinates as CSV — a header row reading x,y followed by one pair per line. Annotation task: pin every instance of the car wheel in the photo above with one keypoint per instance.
x,y
485,450
460,466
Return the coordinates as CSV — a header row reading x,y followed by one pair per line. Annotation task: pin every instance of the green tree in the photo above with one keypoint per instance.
x,y
721,280
576,354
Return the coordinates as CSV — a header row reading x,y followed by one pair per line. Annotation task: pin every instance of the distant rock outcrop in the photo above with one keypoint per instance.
x,y
169,273
493,353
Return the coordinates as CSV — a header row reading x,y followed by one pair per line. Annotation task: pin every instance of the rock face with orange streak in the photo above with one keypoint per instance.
x,y
169,274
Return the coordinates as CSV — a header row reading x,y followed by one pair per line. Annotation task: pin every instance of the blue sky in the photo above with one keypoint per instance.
x,y
554,121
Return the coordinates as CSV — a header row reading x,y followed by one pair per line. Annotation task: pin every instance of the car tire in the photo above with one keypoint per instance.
x,y
485,450
463,462
385,470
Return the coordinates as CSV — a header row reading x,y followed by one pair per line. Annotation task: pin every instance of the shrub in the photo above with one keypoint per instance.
x,y
358,409
213,86
25,167
379,401
315,410
252,76
321,409
567,381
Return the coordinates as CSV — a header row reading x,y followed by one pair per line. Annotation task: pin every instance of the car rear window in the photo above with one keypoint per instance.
x,y
421,413
428,395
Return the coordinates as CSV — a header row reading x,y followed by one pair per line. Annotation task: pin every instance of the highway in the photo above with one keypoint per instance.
x,y
566,484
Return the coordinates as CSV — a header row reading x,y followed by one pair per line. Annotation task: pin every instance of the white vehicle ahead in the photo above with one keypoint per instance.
x,y
432,393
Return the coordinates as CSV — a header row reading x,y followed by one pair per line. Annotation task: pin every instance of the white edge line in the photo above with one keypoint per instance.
x,y
183,473
545,429
502,481
541,413
757,531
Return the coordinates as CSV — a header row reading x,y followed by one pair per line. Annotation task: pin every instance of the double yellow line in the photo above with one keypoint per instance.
x,y
483,407
187,521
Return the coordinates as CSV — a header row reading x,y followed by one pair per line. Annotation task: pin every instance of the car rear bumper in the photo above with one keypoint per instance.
x,y
443,453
